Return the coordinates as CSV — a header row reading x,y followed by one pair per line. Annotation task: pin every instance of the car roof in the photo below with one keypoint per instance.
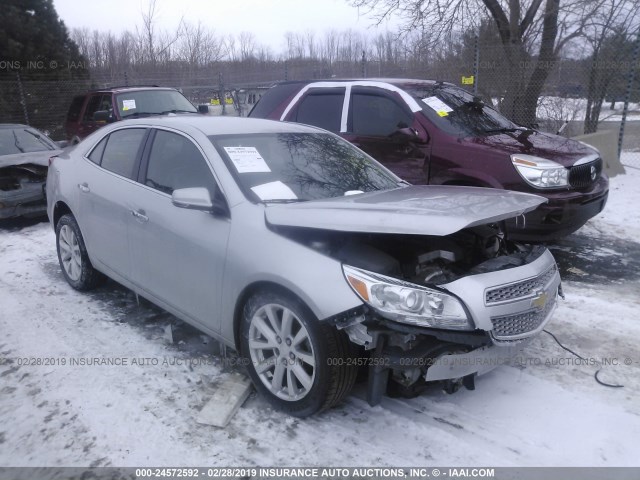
x,y
121,89
210,125
399,82
14,125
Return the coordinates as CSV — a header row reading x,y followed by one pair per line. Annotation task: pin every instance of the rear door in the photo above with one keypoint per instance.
x,y
178,255
106,185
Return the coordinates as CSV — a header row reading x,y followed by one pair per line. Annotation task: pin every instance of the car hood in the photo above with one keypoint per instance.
x,y
564,151
414,210
36,158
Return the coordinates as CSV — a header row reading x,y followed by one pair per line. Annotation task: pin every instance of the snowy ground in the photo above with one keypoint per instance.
x,y
543,411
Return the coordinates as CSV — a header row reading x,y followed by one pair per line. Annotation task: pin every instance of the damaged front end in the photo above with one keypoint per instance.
x,y
22,190
438,308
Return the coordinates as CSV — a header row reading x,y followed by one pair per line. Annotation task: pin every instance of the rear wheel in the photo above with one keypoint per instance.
x,y
298,363
72,255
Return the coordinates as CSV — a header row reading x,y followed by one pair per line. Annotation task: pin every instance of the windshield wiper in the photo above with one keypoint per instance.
x,y
139,114
178,111
16,142
285,200
503,130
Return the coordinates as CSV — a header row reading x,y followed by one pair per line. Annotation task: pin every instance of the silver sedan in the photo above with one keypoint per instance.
x,y
301,252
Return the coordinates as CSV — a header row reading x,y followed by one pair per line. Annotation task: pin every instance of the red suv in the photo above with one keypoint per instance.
x,y
431,132
94,109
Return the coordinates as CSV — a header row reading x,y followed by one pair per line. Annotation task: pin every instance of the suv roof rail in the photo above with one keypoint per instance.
x,y
120,86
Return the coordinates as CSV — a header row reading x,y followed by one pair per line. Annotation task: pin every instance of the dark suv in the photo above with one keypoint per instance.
x,y
431,132
94,109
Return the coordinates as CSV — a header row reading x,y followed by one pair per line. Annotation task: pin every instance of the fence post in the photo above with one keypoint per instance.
x,y
364,65
627,96
23,100
476,63
126,79
222,95
286,70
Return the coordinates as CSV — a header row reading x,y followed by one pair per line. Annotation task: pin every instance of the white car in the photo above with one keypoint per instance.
x,y
311,259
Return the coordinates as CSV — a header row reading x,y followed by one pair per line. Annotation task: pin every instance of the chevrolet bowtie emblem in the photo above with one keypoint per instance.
x,y
540,300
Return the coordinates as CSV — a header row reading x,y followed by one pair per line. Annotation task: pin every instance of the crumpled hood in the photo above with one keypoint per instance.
x,y
415,210
36,158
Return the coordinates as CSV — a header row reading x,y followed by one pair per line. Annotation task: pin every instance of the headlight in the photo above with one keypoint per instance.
x,y
407,302
539,172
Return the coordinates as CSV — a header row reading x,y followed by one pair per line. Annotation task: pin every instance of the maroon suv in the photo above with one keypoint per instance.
x,y
96,108
436,133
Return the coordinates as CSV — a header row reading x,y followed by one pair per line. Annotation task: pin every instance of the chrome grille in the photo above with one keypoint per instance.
x,y
581,176
519,290
519,324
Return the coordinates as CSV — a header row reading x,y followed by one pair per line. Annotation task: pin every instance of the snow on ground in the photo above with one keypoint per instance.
x,y
562,108
546,409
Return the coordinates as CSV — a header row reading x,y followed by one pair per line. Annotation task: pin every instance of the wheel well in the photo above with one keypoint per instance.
x,y
59,210
244,297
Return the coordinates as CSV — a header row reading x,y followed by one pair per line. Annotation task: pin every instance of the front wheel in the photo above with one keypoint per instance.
x,y
298,363
73,257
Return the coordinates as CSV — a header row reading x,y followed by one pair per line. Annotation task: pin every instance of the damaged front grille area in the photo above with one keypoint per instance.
x,y
519,290
516,326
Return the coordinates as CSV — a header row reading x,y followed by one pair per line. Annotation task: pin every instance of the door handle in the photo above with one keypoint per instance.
x,y
84,187
140,215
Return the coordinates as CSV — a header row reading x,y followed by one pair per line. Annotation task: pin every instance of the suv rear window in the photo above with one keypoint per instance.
x,y
272,98
74,110
322,110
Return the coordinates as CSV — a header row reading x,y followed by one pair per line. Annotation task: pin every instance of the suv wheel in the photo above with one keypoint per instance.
x,y
72,255
298,363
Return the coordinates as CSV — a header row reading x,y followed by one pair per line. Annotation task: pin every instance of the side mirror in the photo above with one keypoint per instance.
x,y
204,109
103,116
199,198
62,143
405,135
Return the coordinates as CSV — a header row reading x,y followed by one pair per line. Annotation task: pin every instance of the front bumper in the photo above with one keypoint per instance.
x,y
565,213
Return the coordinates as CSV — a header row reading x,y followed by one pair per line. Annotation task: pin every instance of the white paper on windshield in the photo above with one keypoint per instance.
x,y
128,105
247,159
274,191
438,105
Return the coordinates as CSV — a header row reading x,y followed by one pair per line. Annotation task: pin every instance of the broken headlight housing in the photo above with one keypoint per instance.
x,y
539,172
407,302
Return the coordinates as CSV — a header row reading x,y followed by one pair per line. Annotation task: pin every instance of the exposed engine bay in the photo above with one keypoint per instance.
x,y
399,355
423,260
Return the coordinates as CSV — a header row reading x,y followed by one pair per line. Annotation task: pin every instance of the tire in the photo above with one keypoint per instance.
x,y
72,255
312,357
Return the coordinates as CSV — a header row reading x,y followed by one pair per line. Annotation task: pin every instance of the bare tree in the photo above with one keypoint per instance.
x,y
608,33
532,35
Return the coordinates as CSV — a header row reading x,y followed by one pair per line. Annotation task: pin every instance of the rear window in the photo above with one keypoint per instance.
x,y
74,110
273,98
23,140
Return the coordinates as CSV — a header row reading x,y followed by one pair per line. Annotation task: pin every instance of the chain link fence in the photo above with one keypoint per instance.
x,y
571,93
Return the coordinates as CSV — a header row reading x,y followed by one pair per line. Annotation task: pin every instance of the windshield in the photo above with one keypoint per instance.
x,y
152,102
23,140
293,167
458,112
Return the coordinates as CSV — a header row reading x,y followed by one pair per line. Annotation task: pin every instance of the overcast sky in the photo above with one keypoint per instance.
x,y
268,20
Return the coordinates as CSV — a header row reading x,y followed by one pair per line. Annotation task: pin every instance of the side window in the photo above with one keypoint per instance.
x,y
121,151
377,115
92,107
322,110
175,162
96,154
